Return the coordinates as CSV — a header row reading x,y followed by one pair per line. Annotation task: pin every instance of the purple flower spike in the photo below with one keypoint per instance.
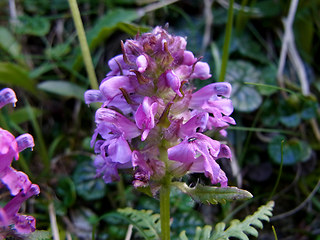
x,y
7,95
145,116
149,103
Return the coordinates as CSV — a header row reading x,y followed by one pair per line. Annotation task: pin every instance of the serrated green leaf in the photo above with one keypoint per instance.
x,y
213,195
237,229
147,223
62,88
14,75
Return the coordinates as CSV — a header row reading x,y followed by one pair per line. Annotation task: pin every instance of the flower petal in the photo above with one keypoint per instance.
x,y
7,95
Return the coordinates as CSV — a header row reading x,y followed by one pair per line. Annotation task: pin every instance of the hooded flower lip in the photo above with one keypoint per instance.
x,y
145,116
92,96
118,66
123,124
210,92
25,141
173,81
110,88
7,95
201,71
213,98
142,63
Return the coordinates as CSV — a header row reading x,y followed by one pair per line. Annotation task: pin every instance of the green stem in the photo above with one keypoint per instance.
x,y
226,44
165,210
83,43
165,196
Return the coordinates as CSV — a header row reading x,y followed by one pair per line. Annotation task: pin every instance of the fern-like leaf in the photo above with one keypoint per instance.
x,y
236,229
213,195
239,229
147,223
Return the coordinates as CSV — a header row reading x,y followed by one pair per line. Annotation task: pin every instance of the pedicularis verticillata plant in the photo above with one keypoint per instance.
x,y
153,120
17,182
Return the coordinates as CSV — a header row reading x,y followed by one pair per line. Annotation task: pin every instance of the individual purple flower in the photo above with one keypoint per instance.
x,y
145,116
112,86
7,95
200,152
201,71
91,96
142,63
173,81
117,66
106,169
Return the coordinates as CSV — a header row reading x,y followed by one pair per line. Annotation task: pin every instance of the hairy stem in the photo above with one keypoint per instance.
x,y
83,43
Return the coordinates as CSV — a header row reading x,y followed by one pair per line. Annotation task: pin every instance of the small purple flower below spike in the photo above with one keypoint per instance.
x,y
7,95
17,182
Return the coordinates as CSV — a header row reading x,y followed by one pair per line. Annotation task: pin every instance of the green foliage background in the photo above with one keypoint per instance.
x,y
41,60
